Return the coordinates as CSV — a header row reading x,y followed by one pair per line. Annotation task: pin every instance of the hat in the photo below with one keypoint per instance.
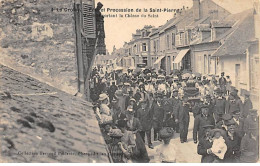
x,y
130,111
127,84
231,97
132,99
208,96
222,132
246,93
230,122
115,133
103,96
226,117
204,106
236,112
119,93
166,132
141,101
218,90
208,126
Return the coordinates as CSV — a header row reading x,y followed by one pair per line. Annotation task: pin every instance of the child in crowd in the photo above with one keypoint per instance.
x,y
219,146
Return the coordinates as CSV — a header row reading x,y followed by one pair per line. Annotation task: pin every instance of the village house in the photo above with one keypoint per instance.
x,y
238,56
189,26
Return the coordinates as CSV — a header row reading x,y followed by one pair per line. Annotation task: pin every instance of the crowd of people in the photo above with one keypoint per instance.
x,y
130,105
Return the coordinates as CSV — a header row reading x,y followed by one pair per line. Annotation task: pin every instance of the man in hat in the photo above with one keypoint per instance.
x,y
250,146
111,91
184,118
145,116
176,107
200,121
233,105
251,120
209,102
205,144
239,124
233,141
166,152
219,105
128,97
247,105
223,121
168,117
158,112
222,83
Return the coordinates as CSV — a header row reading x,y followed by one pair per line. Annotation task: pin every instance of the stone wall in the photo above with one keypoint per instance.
x,y
39,35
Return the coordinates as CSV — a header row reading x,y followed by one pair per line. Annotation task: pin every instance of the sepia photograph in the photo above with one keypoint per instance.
x,y
129,81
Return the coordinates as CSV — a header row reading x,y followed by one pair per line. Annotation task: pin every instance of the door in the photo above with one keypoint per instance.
x,y
237,76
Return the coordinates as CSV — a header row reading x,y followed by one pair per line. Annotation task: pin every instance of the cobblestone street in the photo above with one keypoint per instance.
x,y
187,152
39,123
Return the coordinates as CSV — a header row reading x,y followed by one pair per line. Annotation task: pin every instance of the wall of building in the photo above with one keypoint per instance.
x,y
239,79
41,39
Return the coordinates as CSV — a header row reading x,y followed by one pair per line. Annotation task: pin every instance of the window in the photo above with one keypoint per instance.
x,y
143,34
158,46
178,42
145,60
144,47
173,39
154,46
168,41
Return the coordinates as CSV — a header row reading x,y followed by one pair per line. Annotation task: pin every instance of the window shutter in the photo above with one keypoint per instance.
x,y
88,18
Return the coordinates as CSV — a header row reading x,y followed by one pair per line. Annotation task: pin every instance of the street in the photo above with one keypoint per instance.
x,y
187,152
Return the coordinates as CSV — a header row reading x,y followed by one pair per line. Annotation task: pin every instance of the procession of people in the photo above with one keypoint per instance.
x,y
131,105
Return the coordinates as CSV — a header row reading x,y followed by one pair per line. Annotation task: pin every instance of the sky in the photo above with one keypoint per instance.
x,y
119,30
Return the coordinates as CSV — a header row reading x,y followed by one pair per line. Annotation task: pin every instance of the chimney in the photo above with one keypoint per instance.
x,y
196,10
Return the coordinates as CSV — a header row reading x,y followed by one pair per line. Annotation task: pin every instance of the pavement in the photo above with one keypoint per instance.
x,y
186,152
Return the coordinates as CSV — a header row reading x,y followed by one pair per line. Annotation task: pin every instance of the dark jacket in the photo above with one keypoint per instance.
x,y
184,113
246,107
219,106
145,117
233,149
157,112
202,150
199,122
232,107
176,106
249,149
250,122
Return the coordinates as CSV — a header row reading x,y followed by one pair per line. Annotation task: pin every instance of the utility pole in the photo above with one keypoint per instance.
x,y
78,26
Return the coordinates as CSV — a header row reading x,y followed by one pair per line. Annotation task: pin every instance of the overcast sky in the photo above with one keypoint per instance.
x,y
119,30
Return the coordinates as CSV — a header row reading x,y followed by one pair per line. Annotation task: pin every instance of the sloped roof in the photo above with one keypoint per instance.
x,y
38,118
185,19
235,41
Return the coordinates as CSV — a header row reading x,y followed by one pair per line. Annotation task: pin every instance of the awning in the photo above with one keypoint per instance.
x,y
181,54
158,60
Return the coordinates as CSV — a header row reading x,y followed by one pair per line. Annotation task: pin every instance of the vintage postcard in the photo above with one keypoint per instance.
x,y
130,81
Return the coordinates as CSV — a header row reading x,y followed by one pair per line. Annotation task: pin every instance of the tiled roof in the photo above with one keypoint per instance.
x,y
38,118
235,41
